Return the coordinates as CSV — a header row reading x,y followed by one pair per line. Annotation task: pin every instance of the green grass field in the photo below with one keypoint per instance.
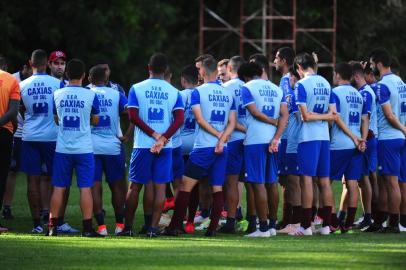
x,y
21,250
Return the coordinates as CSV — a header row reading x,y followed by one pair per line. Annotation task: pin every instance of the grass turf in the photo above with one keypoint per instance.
x,y
21,250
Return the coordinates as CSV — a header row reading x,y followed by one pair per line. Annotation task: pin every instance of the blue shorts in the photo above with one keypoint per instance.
x,y
63,170
178,164
204,162
260,164
146,166
313,158
292,167
113,167
347,162
370,157
389,156
282,157
235,158
36,154
16,155
402,177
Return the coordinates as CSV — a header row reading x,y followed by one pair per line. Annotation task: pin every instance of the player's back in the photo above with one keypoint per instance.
x,y
391,89
267,98
215,104
234,87
349,103
367,92
314,91
187,131
73,105
155,99
37,95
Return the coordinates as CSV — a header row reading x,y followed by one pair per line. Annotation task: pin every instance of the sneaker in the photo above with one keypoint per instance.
x,y
325,230
7,213
66,228
199,219
102,230
374,227
164,220
389,230
227,229
52,231
126,232
189,228
289,228
242,225
258,233
37,230
3,229
169,204
152,233
92,233
272,232
401,228
359,221
302,232
119,228
318,220
204,225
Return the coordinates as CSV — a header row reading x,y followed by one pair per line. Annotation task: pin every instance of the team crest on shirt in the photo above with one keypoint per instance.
x,y
71,122
40,108
155,115
217,116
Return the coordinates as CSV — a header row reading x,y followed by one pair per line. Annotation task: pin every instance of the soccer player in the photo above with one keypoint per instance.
x,y
214,110
222,72
314,99
75,109
391,94
283,61
292,169
9,102
370,157
348,138
57,65
24,72
39,132
107,149
235,146
156,109
266,121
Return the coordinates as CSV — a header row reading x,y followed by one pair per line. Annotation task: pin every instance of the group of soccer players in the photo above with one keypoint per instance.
x,y
197,148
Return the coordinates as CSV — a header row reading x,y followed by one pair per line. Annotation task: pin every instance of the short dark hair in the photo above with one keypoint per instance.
x,y
288,54
75,69
201,57
304,60
261,60
39,58
293,72
210,64
223,62
249,70
236,62
158,63
190,74
357,68
345,70
368,68
97,74
3,62
381,55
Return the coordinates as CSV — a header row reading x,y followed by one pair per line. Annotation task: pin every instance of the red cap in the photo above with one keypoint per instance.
x,y
55,55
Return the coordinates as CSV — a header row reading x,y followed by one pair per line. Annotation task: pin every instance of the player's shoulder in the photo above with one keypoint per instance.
x,y
233,82
4,75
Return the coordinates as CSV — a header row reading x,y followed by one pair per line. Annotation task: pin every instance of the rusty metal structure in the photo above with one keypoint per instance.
x,y
268,15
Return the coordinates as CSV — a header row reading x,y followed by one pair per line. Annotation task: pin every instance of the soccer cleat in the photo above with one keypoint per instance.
x,y
119,228
7,213
204,225
289,228
189,228
210,233
3,229
199,219
37,230
374,227
258,233
126,232
359,221
92,233
363,224
66,228
325,230
169,204
272,232
401,228
152,233
227,229
170,232
334,229
302,232
345,229
389,230
102,230
52,231
164,220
